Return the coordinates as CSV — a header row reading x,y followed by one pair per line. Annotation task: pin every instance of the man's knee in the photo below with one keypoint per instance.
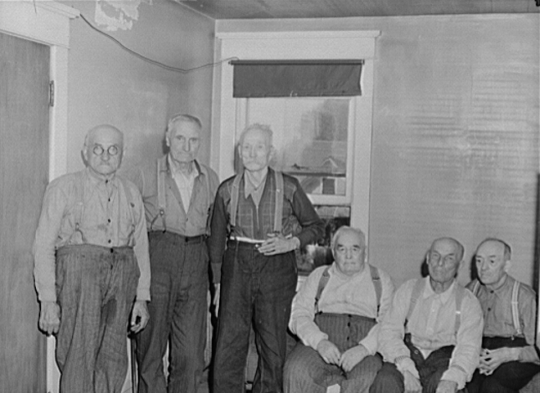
x,y
388,380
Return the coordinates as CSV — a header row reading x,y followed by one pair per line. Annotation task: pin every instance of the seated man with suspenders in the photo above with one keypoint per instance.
x,y
508,360
260,217
430,337
335,316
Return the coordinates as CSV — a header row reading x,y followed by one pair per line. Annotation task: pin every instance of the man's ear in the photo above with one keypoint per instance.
x,y
507,265
273,153
84,157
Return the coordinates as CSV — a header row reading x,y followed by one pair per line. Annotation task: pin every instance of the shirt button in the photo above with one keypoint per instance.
x,y
109,199
109,220
109,241
489,309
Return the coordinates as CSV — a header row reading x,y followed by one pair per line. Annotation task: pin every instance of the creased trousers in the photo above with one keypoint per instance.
x,y
258,290
509,377
178,312
390,380
96,288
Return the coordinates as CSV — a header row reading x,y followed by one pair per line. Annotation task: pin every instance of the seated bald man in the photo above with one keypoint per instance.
x,y
508,360
430,337
335,314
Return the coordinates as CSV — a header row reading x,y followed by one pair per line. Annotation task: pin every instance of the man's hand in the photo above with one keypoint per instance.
x,y
49,317
139,316
352,357
329,352
446,387
490,359
412,384
278,244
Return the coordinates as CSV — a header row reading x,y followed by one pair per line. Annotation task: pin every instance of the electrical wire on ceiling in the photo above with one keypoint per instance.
x,y
147,59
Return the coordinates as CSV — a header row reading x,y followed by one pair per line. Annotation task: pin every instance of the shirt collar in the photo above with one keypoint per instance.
x,y
96,179
334,271
174,168
249,187
444,297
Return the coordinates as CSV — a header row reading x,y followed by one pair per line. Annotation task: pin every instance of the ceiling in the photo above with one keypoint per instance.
x,y
254,9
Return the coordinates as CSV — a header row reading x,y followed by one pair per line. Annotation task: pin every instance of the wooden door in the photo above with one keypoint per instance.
x,y
24,151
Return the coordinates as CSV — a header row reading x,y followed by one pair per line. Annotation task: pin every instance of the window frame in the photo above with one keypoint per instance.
x,y
229,114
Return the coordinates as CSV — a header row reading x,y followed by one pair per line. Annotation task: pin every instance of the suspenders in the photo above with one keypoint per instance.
x,y
514,302
417,292
80,201
278,176
162,192
375,278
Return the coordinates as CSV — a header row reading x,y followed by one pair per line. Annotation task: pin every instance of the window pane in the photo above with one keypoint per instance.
x,y
310,137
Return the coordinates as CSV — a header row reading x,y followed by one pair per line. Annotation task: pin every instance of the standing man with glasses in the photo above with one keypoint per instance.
x,y
92,268
178,193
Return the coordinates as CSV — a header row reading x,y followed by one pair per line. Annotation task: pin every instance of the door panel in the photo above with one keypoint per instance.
x,y
24,150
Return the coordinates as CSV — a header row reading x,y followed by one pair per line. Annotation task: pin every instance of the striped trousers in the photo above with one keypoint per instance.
x,y
96,287
306,371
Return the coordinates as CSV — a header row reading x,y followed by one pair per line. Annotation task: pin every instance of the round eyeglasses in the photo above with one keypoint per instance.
x,y
112,150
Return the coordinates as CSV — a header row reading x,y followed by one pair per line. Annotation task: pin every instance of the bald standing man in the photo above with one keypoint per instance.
x,y
91,267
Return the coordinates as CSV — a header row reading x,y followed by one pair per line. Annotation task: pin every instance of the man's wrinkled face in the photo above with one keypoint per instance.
x,y
183,140
255,150
103,150
491,263
349,253
443,261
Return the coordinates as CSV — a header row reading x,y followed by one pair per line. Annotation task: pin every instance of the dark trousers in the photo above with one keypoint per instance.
x,y
255,290
509,377
178,312
390,379
307,372
96,287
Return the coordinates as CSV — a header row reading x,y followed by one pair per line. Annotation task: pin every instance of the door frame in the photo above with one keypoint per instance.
x,y
47,22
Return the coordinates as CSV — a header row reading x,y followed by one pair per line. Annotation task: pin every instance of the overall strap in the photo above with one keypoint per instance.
x,y
377,284
235,191
278,209
417,291
79,202
161,190
131,207
515,308
322,283
460,292
476,287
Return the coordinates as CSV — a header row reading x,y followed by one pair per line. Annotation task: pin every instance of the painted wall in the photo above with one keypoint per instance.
x,y
109,85
455,133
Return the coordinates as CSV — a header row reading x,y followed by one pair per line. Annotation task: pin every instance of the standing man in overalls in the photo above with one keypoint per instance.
x,y
260,217
91,267
178,193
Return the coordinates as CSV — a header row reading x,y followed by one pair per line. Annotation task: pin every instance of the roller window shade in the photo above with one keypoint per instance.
x,y
296,78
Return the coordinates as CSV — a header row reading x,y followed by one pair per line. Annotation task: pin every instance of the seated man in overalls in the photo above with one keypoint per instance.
x,y
335,315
